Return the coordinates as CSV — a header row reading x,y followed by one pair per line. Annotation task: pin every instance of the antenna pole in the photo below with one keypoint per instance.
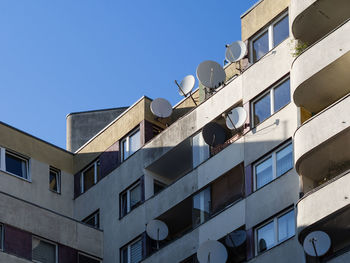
x,y
313,245
228,116
157,238
184,93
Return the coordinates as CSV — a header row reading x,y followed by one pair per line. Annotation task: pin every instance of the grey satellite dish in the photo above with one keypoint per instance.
x,y
236,118
236,238
213,134
161,108
186,86
235,51
157,230
212,251
317,243
211,74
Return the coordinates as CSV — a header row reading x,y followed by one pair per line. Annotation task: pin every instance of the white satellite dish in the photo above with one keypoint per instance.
x,y
317,243
236,118
157,230
161,108
235,51
187,84
212,251
211,74
236,238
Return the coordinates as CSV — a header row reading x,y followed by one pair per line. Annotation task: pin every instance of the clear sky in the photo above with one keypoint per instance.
x,y
58,57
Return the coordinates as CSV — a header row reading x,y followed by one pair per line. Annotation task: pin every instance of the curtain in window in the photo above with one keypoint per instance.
x,y
135,196
284,160
286,226
200,150
134,142
43,251
136,252
263,173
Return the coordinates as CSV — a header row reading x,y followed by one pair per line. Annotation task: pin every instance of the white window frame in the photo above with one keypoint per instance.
x,y
271,92
127,191
95,164
127,141
3,152
275,229
128,247
58,176
47,241
88,256
93,215
268,29
274,163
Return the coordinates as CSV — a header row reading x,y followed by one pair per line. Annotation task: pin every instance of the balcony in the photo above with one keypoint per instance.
x,y
312,19
322,145
320,76
327,208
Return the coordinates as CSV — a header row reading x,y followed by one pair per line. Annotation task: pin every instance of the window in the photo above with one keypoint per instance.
x,y
274,165
1,237
271,101
90,176
93,219
275,231
201,207
200,150
43,251
132,253
130,144
87,259
130,198
269,38
14,163
158,186
55,180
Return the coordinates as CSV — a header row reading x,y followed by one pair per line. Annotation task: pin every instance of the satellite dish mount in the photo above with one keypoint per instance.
x,y
186,86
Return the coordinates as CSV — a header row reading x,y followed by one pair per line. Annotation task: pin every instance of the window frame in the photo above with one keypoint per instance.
x,y
47,241
270,33
128,203
26,159
88,256
274,219
126,140
273,156
58,178
271,92
128,247
2,237
96,165
96,216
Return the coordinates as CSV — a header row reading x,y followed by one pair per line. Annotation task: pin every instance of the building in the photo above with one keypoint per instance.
x,y
284,175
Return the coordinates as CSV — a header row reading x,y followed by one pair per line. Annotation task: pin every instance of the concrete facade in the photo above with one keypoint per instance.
x,y
299,150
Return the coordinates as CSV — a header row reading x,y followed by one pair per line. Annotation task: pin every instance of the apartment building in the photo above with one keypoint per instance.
x,y
282,176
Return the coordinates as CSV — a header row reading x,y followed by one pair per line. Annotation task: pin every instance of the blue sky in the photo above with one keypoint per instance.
x,y
64,56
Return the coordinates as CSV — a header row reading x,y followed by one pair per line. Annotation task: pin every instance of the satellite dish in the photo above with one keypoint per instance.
x,y
317,243
213,134
157,230
211,74
235,51
161,108
212,251
236,238
236,118
186,85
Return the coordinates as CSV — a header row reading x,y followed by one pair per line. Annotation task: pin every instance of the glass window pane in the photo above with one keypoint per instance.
x,y
124,204
266,237
262,109
1,235
200,150
201,207
280,31
281,95
124,255
286,226
260,46
89,177
136,252
125,150
134,142
16,165
135,196
43,251
263,173
86,259
53,181
284,160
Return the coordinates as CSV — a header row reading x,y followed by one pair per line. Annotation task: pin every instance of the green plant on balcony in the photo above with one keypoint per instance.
x,y
299,47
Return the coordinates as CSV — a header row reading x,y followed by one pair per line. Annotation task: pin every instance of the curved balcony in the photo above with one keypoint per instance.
x,y
320,75
322,145
312,19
